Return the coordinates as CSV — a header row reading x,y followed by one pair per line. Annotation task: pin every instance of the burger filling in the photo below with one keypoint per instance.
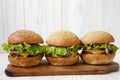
x,y
24,49
56,51
99,48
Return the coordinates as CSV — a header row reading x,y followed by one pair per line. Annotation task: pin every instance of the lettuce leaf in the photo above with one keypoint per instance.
x,y
7,47
30,49
100,45
113,48
96,45
61,51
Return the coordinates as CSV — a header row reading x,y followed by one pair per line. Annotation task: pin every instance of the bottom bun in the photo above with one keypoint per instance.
x,y
25,61
70,60
97,58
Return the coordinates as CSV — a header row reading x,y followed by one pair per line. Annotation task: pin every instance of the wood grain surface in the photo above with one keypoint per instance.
x,y
45,69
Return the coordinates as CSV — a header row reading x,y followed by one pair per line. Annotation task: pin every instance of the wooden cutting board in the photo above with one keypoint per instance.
x,y
47,69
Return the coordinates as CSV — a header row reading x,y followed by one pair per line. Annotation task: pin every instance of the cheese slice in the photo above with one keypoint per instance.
x,y
73,54
54,55
97,51
24,54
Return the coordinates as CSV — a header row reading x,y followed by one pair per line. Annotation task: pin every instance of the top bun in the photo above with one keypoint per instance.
x,y
63,38
97,37
27,36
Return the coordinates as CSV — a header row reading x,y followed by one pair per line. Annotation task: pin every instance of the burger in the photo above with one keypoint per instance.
x,y
97,48
24,48
62,48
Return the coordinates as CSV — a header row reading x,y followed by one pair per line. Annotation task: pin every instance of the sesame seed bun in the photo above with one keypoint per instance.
x,y
62,38
70,60
25,61
97,37
97,58
27,36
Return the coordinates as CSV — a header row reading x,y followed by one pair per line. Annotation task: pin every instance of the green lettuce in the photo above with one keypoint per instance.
x,y
96,45
61,51
34,49
113,48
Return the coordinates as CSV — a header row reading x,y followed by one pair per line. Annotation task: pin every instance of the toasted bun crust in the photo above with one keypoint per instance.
x,y
27,36
63,38
97,58
25,62
63,60
97,37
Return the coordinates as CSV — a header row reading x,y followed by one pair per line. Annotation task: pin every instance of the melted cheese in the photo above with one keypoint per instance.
x,y
54,55
24,54
73,54
97,51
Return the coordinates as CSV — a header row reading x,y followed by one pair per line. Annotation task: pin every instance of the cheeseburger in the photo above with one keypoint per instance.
x,y
97,48
62,48
24,49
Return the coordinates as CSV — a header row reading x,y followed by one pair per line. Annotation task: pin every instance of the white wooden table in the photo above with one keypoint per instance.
x,y
110,76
